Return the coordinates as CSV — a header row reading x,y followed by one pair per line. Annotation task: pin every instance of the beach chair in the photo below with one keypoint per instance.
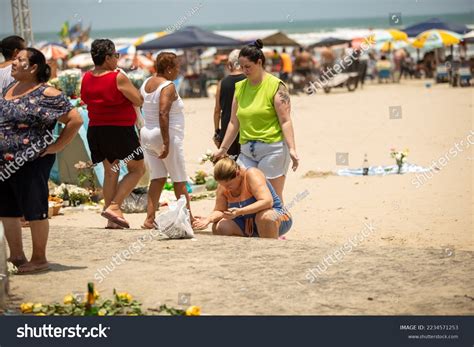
x,y
442,74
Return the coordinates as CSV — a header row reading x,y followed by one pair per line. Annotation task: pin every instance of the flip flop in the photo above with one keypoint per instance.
x,y
34,269
115,219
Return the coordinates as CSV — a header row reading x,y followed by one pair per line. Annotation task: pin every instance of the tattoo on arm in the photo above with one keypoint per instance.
x,y
284,95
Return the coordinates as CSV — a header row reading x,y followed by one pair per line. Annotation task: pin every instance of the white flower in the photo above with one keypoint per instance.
x,y
398,156
404,160
208,152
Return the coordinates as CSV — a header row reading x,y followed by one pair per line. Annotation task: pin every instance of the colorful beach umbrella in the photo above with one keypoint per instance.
x,y
80,61
149,37
436,38
52,51
469,37
389,35
126,49
435,23
135,60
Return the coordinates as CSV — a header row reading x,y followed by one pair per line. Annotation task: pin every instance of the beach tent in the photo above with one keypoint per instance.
x,y
330,41
279,39
189,37
435,23
269,37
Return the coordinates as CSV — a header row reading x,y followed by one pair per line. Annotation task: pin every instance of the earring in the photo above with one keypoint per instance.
x,y
31,72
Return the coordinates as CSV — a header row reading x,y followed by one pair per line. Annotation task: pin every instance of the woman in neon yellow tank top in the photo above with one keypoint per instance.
x,y
261,112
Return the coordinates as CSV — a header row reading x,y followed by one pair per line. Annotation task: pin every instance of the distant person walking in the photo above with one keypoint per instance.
x,y
287,66
110,97
224,98
163,133
261,111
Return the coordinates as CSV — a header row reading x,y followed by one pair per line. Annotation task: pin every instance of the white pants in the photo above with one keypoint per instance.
x,y
173,164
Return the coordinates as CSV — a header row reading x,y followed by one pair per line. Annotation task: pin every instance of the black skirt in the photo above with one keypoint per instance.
x,y
113,143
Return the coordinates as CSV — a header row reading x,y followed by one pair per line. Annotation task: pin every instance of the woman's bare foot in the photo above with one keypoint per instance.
x,y
112,225
148,223
18,261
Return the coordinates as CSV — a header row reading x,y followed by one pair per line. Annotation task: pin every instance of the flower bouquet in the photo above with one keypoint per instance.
x,y
400,157
69,81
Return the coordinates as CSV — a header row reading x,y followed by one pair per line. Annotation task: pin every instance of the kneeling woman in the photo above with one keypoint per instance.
x,y
246,204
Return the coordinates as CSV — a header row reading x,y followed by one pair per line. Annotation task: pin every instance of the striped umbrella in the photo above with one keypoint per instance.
x,y
436,38
54,52
389,35
149,37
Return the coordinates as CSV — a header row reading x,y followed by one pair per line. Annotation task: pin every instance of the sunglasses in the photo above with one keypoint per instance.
x,y
115,55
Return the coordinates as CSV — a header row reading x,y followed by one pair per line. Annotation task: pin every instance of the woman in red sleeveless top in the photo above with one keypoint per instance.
x,y
110,99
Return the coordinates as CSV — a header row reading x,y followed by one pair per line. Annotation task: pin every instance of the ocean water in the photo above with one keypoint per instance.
x,y
290,26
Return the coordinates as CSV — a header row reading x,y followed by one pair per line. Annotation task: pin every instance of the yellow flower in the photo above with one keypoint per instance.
x,y
37,306
40,314
125,297
68,299
193,311
26,307
102,312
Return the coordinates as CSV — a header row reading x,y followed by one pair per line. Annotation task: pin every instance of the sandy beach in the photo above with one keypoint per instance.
x,y
418,258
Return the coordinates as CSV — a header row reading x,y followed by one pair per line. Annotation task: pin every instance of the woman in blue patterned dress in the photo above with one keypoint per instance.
x,y
29,111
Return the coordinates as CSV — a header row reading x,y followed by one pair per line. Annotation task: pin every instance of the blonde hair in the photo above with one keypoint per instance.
x,y
226,169
234,59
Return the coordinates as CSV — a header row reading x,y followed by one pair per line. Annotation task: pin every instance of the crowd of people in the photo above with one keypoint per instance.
x,y
252,106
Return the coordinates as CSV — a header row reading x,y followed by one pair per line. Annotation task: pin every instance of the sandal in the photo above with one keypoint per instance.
x,y
115,219
29,268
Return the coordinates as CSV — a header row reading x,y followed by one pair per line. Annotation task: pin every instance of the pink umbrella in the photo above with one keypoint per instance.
x,y
54,52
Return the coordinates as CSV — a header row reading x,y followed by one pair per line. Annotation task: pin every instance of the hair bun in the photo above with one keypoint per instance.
x,y
258,43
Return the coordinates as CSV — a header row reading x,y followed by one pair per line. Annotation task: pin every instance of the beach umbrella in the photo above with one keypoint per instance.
x,y
149,37
52,51
389,45
126,49
435,23
389,35
80,61
432,39
135,60
189,37
330,41
469,37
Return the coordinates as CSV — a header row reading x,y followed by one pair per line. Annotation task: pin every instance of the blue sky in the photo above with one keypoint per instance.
x,y
48,15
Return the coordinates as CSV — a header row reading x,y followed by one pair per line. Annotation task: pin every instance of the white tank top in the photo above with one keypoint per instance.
x,y
5,78
151,109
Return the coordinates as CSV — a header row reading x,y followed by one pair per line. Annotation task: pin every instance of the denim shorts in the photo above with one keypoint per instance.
x,y
284,217
271,158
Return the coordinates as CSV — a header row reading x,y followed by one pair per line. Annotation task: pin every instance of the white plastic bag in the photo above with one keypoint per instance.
x,y
176,222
